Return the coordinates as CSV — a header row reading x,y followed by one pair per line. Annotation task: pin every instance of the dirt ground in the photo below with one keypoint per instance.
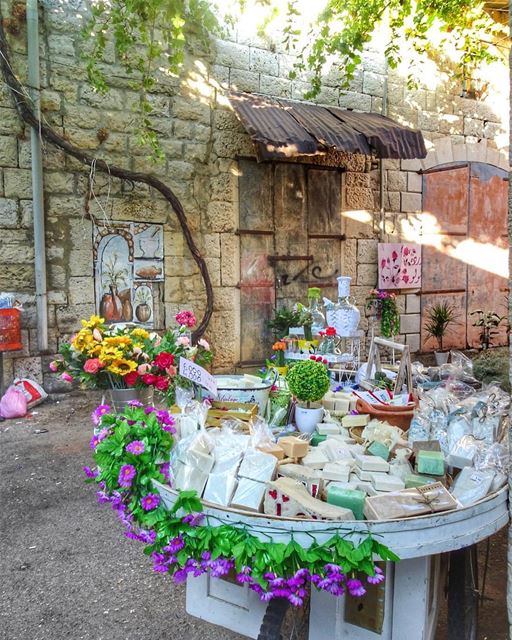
x,y
67,571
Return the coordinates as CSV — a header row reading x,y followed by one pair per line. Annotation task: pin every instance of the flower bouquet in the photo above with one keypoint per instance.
x,y
386,308
116,357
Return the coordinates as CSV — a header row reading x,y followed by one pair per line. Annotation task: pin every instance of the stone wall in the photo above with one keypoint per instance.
x,y
201,139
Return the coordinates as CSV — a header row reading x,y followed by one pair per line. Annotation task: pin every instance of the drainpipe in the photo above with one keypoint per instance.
x,y
37,177
384,112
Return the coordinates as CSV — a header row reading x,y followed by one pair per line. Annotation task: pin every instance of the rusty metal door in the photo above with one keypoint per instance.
x,y
464,247
290,238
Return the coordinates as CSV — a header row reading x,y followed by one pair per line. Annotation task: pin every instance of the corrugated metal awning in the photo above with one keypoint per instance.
x,y
284,128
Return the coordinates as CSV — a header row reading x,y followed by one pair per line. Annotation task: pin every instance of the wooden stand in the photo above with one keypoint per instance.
x,y
404,376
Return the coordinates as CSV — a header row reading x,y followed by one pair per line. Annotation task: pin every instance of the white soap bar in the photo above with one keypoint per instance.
x,y
343,436
329,404
257,465
360,420
336,450
201,461
336,471
189,478
472,485
327,428
220,488
187,426
371,463
367,487
310,478
385,482
363,475
249,495
342,405
226,460
315,459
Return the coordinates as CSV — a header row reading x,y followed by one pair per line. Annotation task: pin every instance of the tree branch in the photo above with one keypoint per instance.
x,y
26,113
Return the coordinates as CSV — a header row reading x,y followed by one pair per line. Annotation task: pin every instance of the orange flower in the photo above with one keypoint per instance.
x,y
279,346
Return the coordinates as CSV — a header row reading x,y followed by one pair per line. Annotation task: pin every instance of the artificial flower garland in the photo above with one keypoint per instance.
x,y
132,449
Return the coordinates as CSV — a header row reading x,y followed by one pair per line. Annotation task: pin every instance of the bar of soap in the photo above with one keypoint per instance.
x,y
336,471
329,404
220,488
425,445
287,498
315,459
430,462
371,463
317,439
249,495
187,426
342,405
385,482
360,420
414,480
472,485
310,478
348,499
195,458
293,447
273,449
379,449
257,465
365,475
189,478
327,428
336,450
365,486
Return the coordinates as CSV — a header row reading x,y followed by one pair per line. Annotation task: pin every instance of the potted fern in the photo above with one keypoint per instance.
x,y
438,319
308,382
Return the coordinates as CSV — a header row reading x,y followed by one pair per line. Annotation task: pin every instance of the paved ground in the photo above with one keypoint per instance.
x,y
67,571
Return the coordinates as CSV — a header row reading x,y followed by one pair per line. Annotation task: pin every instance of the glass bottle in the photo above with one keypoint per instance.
x,y
343,315
318,317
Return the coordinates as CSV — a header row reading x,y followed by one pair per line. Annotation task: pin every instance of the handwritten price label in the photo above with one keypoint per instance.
x,y
198,375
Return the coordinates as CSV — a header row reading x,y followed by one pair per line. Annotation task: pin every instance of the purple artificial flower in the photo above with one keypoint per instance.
x,y
130,423
295,600
180,576
160,568
136,447
100,411
193,519
243,576
333,568
175,545
135,403
206,555
150,502
102,497
355,587
90,473
94,442
149,410
147,536
126,475
131,535
164,470
377,578
164,417
221,567
266,596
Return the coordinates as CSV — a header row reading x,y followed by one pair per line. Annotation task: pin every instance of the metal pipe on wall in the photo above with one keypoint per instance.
x,y
37,177
384,112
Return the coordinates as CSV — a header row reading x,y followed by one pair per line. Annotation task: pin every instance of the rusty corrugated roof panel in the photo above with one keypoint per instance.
x,y
284,128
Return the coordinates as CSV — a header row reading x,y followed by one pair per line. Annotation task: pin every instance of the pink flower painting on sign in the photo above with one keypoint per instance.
x,y
399,265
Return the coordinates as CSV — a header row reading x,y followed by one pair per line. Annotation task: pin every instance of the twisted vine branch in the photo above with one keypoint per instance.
x,y
26,113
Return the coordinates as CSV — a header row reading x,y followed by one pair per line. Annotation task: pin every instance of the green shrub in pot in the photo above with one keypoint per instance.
x,y
308,381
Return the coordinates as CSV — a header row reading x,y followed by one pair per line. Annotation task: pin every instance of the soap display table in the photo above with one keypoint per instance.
x,y
409,598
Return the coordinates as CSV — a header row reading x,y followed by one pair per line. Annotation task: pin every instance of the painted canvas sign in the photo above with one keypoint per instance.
x,y
399,265
128,259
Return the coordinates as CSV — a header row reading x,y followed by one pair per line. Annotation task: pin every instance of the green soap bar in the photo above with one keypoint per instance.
x,y
348,498
414,480
379,449
317,439
430,463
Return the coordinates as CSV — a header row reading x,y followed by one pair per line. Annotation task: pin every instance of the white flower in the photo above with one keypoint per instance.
x,y
203,343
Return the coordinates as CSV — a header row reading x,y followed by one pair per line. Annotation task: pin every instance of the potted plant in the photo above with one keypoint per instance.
x,y
283,319
383,304
438,318
488,321
279,363
308,382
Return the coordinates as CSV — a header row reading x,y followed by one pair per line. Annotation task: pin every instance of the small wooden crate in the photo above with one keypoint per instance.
x,y
223,410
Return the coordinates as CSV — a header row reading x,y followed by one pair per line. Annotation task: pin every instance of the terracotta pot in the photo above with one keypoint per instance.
x,y
143,312
127,311
397,416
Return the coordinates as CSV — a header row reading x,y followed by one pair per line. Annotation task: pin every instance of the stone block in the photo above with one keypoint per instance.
x,y
214,269
491,130
357,101
373,83
410,202
10,124
227,144
367,251
377,105
80,261
450,123
220,217
353,179
226,299
410,323
17,183
8,151
231,54
69,316
211,244
473,127
428,121
25,349
28,368
280,87
367,275
411,165
459,153
413,303
59,182
16,277
349,258
263,61
413,340
230,260
8,214
396,181
358,224
414,182
359,198
244,80
8,373
444,151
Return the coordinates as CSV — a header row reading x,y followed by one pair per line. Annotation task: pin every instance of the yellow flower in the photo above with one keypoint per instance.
x,y
109,354
93,322
83,340
118,341
121,367
140,333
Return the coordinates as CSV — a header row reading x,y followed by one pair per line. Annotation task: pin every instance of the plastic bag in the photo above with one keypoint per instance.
x,y
33,392
13,403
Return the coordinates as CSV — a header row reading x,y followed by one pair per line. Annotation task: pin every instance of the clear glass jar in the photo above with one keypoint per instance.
x,y
318,317
344,316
